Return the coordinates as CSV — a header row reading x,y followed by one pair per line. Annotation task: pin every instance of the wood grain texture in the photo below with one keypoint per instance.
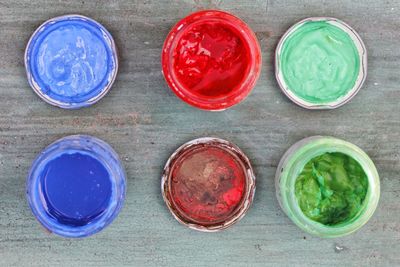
x,y
145,123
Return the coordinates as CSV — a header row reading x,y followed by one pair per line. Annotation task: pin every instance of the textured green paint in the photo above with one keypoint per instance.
x,y
331,188
319,62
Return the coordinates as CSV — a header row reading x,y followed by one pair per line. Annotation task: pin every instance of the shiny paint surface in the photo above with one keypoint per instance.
x,y
71,61
211,60
331,188
76,186
319,62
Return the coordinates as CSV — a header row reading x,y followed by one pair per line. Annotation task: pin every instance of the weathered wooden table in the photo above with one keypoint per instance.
x,y
144,121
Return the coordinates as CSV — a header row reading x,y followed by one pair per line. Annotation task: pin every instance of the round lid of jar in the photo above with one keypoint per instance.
x,y
71,61
211,60
320,63
208,184
76,186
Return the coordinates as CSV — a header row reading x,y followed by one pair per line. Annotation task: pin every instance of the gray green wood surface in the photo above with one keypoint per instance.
x,y
144,121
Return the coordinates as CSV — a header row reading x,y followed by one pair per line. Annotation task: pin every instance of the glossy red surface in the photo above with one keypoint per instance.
x,y
208,185
211,60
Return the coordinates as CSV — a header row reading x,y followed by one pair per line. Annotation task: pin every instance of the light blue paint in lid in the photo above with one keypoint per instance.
x,y
71,61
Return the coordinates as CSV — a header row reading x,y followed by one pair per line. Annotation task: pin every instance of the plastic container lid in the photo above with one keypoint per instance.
x,y
293,162
76,186
211,60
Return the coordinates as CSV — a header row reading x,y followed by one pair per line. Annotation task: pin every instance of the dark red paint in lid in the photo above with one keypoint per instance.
x,y
208,184
211,60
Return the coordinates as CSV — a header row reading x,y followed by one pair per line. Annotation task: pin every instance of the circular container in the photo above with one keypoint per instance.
x,y
292,164
208,184
211,60
71,61
76,186
362,74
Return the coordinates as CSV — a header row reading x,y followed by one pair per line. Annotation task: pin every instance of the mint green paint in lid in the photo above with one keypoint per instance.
x,y
321,63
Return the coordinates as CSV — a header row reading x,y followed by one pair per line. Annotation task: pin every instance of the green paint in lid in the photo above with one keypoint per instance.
x,y
331,188
328,187
320,63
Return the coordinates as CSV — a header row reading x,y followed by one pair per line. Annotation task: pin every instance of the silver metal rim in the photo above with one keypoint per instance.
x,y
250,181
36,88
362,52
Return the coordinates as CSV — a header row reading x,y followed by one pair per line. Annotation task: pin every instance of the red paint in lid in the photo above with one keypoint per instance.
x,y
211,60
208,184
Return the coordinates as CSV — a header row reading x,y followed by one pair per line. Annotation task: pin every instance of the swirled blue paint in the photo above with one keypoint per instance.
x,y
71,61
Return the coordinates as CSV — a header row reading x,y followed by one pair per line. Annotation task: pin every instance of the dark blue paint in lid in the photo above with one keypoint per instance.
x,y
76,186
71,61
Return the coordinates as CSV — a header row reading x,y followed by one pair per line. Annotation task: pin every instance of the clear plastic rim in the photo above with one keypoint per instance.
x,y
247,85
107,156
292,163
362,75
247,198
71,105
